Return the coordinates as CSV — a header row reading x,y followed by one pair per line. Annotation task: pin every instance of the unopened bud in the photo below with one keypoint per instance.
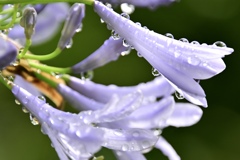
x,y
72,24
28,21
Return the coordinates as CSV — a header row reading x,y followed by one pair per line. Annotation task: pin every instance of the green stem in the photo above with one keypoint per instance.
x,y
50,69
55,53
47,80
9,25
26,47
88,2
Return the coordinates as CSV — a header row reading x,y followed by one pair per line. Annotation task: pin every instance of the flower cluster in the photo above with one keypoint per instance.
x,y
128,120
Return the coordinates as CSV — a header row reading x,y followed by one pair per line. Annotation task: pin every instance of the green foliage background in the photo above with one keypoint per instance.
x,y
215,137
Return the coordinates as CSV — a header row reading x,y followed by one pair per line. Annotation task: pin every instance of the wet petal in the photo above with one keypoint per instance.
x,y
157,88
109,51
167,149
129,155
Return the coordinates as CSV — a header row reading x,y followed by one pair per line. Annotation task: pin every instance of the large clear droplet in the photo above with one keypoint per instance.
x,y
195,42
34,120
25,110
220,44
87,75
169,35
155,72
42,98
178,95
127,8
69,45
184,40
79,29
125,43
125,147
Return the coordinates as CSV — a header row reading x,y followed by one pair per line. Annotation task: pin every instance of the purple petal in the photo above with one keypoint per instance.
x,y
48,23
77,100
129,155
8,53
167,149
129,140
157,88
109,51
184,114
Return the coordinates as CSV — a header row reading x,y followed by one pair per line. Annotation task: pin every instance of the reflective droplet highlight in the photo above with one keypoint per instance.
x,y
178,95
127,8
220,44
34,120
155,72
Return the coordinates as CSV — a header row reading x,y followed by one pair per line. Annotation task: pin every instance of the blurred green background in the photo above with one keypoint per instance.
x,y
215,137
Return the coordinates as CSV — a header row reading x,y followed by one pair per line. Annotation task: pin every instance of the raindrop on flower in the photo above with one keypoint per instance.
x,y
87,75
115,35
20,50
69,45
34,120
178,95
101,20
124,53
125,43
79,29
127,8
183,40
125,15
145,144
108,5
220,44
24,109
155,72
125,147
195,42
139,54
139,24
169,35
42,98
17,102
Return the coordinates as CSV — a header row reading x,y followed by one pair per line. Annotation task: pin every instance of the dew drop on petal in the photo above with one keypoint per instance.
x,y
25,110
184,40
145,144
178,95
115,35
69,45
195,42
34,120
169,35
125,43
17,102
102,21
20,50
139,54
42,98
193,60
86,75
155,72
125,15
220,44
135,134
108,5
125,147
127,8
139,24
79,29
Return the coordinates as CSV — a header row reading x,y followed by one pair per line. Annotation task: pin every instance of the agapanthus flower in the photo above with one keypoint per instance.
x,y
179,62
128,120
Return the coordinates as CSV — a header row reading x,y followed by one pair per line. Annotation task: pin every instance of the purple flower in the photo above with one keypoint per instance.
x,y
109,51
141,3
48,23
179,62
8,52
72,24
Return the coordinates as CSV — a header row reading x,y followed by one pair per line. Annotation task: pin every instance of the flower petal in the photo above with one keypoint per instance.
x,y
129,155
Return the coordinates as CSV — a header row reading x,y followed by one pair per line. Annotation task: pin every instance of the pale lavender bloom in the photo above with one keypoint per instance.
x,y
74,136
48,22
141,3
72,24
109,51
156,88
8,52
179,62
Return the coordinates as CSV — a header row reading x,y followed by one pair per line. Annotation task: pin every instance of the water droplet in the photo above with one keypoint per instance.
x,y
42,98
34,120
157,132
125,15
101,20
127,8
178,95
25,110
115,35
125,43
139,24
18,14
136,134
125,147
10,78
108,5
197,80
183,40
220,44
169,35
69,45
145,144
124,53
193,60
79,29
87,75
195,42
17,102
155,72
118,133
20,50
139,54
15,63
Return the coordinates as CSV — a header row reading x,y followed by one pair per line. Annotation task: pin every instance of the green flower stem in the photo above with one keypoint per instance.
x,y
50,69
26,47
6,11
14,16
55,53
45,79
88,2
